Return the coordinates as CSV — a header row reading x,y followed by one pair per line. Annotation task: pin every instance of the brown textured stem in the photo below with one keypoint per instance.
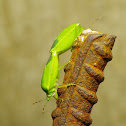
x,y
85,70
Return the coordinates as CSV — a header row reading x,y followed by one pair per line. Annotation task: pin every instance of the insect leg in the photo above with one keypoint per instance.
x,y
58,75
56,95
63,65
58,86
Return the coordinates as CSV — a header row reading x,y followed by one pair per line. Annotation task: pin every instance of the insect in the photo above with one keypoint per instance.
x,y
62,43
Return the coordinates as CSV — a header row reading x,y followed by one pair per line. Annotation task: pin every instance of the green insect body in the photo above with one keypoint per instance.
x,y
49,77
62,43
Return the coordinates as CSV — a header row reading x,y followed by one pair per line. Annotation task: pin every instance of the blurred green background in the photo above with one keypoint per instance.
x,y
27,31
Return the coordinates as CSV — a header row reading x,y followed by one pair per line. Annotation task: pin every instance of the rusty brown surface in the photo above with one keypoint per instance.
x,y
85,70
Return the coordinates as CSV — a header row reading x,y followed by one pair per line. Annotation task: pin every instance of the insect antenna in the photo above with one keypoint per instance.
x,y
97,19
38,101
44,106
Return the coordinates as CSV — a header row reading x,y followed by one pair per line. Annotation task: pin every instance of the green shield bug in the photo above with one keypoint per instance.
x,y
62,43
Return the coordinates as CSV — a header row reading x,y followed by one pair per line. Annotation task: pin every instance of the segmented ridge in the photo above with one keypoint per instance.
x,y
81,116
86,71
96,73
87,94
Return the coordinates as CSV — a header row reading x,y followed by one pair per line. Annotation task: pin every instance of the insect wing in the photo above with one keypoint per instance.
x,y
65,39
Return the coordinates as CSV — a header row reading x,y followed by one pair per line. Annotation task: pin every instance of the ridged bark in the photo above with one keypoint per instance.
x,y
85,70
